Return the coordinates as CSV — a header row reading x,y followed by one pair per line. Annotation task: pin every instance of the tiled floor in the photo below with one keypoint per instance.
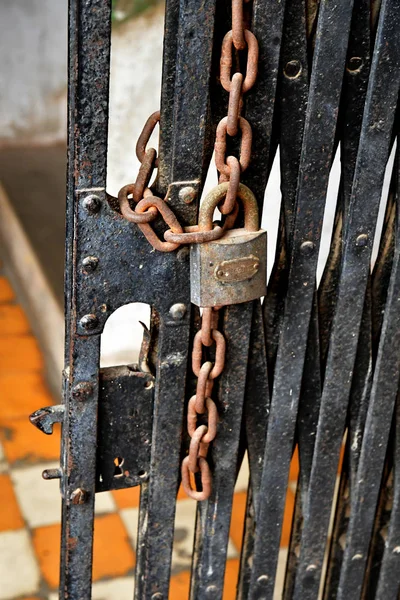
x,y
30,506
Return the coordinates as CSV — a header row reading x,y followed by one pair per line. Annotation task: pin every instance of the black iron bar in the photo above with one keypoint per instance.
x,y
318,143
368,179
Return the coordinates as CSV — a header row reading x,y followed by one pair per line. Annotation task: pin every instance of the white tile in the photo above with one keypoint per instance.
x,y
280,573
40,500
104,503
242,481
120,588
130,518
19,573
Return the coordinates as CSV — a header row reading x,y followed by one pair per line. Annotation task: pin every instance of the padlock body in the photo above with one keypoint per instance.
x,y
230,270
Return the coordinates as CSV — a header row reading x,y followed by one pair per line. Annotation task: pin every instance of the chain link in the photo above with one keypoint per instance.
x,y
202,404
230,168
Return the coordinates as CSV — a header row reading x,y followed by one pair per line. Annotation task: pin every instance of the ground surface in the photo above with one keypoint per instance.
x,y
30,506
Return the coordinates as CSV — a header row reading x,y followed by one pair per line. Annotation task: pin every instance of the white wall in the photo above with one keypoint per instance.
x,y
33,71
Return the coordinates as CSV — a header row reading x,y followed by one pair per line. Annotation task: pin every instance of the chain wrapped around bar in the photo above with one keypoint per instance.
x,y
230,169
148,207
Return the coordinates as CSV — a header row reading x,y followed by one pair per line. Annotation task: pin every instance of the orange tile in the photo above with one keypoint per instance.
x,y
46,542
341,457
128,498
112,554
6,292
238,516
10,516
181,494
21,394
231,578
12,320
294,466
287,519
24,442
20,353
179,586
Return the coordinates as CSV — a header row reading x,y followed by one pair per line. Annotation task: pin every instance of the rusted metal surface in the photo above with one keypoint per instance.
x,y
314,366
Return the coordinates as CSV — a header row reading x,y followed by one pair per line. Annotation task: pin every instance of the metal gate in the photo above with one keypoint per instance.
x,y
314,365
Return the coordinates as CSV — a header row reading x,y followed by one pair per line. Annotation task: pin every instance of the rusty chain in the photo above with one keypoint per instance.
x,y
230,169
202,404
148,207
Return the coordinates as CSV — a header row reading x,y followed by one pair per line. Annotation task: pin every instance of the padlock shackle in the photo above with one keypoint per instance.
x,y
218,193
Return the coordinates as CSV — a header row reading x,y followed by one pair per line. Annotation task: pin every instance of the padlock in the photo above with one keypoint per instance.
x,y
232,269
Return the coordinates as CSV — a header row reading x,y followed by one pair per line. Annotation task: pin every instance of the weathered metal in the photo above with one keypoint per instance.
x,y
314,366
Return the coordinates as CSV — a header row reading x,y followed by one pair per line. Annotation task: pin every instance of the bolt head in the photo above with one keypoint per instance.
x,y
293,69
178,311
307,247
211,590
362,240
89,322
79,496
311,568
157,596
354,64
82,390
52,474
90,263
92,204
187,194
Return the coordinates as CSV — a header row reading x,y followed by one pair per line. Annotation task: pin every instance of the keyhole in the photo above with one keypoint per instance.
x,y
118,462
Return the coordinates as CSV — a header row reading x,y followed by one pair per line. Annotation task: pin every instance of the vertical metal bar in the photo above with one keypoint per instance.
x,y
256,410
318,141
185,142
375,439
214,516
389,576
89,50
171,25
368,179
157,534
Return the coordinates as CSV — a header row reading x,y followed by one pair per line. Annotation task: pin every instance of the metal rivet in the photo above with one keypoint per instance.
x,y
187,194
82,390
52,474
178,311
90,263
157,596
79,496
362,240
311,568
211,590
293,69
307,248
89,322
92,204
354,64
263,579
